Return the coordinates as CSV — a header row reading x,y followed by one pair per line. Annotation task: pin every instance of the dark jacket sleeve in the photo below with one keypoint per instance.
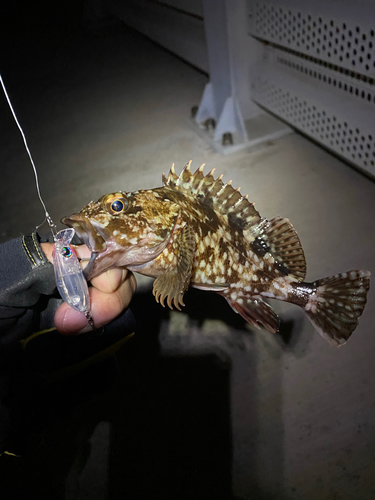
x,y
40,379
25,275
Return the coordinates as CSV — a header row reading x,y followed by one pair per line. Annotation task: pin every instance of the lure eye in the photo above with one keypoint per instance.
x,y
66,252
117,205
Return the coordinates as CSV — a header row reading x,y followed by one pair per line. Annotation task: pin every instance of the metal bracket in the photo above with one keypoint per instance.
x,y
206,108
231,121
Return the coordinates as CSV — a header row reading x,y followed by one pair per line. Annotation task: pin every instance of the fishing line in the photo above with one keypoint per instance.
x,y
69,276
47,216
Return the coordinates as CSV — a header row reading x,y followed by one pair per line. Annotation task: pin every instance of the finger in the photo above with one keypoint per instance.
x,y
82,251
110,280
107,282
105,307
47,249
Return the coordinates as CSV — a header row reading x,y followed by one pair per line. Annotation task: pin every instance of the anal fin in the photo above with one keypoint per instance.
x,y
173,282
211,287
256,311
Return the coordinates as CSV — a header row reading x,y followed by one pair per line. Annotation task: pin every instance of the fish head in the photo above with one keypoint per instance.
x,y
124,229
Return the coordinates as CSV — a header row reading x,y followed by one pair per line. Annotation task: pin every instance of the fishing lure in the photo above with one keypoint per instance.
x,y
69,277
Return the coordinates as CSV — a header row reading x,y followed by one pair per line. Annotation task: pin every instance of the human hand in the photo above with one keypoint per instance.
x,y
110,294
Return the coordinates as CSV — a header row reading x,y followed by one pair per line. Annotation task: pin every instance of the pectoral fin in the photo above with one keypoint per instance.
x,y
172,284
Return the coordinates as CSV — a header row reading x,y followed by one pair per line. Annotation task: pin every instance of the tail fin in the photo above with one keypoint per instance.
x,y
337,303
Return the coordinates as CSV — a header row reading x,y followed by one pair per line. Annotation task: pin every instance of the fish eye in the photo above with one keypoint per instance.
x,y
117,205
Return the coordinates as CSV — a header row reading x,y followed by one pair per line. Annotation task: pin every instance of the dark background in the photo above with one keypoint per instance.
x,y
196,405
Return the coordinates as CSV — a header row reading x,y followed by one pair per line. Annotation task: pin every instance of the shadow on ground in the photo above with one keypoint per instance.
x,y
169,420
170,431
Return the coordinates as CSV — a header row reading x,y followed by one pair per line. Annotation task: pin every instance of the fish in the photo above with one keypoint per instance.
x,y
198,231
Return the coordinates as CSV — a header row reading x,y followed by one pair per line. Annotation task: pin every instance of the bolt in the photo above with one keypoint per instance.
x,y
194,111
210,124
227,139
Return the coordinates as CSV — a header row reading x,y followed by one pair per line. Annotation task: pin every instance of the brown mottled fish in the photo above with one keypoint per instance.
x,y
198,231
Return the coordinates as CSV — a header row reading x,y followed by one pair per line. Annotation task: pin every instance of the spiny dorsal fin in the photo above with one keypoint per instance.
x,y
284,245
223,198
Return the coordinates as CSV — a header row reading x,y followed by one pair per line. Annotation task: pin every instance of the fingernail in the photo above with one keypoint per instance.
x,y
83,264
74,322
87,328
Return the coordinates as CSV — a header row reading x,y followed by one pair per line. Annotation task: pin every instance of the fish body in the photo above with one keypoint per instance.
x,y
197,231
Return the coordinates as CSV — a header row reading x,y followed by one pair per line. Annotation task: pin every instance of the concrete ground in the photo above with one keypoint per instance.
x,y
203,407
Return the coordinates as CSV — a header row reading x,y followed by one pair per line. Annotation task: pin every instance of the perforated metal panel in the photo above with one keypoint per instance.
x,y
332,36
316,72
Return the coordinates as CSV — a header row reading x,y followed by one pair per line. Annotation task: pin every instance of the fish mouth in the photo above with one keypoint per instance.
x,y
86,231
106,253
91,235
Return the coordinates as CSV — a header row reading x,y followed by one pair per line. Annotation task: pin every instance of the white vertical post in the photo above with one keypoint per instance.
x,y
232,57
